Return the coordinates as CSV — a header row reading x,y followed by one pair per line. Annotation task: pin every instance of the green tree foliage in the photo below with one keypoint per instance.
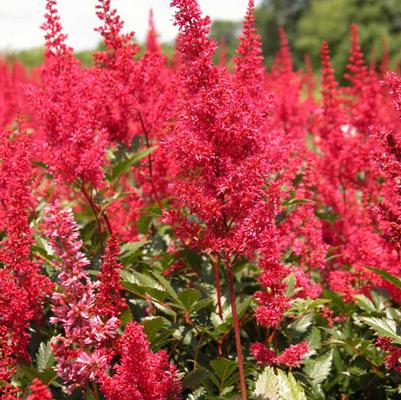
x,y
308,22
379,27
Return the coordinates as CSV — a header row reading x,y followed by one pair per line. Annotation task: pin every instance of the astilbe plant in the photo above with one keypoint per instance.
x,y
258,219
141,374
89,313
23,286
84,348
219,146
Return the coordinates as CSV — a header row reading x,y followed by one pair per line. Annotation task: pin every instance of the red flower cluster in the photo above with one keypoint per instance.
x,y
290,357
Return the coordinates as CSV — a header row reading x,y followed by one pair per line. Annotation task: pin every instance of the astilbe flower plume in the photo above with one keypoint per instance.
x,y
290,357
142,97
393,353
140,374
68,107
84,347
39,391
217,142
109,300
23,287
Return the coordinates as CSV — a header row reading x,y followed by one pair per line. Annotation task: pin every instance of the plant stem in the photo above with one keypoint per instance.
x,y
218,286
219,305
95,391
150,163
95,213
230,281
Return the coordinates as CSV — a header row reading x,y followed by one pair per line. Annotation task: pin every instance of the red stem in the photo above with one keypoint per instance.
x,y
230,281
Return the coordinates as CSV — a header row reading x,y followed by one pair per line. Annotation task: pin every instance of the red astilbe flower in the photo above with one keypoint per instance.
x,y
226,207
141,97
39,391
290,357
68,108
141,374
342,160
249,68
23,287
215,146
366,102
120,72
109,300
330,89
12,78
393,354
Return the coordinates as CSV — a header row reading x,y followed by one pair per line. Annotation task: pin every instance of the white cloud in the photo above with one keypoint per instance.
x,y
20,19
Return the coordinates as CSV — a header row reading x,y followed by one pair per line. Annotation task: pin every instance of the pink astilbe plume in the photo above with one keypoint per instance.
x,y
140,374
83,349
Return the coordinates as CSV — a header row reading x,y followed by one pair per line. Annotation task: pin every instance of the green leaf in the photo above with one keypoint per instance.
x,y
384,327
314,339
189,297
45,357
152,325
169,289
266,387
223,368
318,369
126,316
124,165
296,202
195,378
388,277
302,324
289,388
365,303
291,281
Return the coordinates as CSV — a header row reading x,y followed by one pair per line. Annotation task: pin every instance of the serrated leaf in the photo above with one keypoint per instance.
x,y
45,357
365,303
302,324
318,369
384,327
289,388
266,387
314,338
164,282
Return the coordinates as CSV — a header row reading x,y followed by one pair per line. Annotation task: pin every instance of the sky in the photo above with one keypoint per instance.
x,y
20,20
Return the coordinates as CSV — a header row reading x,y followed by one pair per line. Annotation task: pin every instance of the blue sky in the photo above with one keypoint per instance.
x,y
20,19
